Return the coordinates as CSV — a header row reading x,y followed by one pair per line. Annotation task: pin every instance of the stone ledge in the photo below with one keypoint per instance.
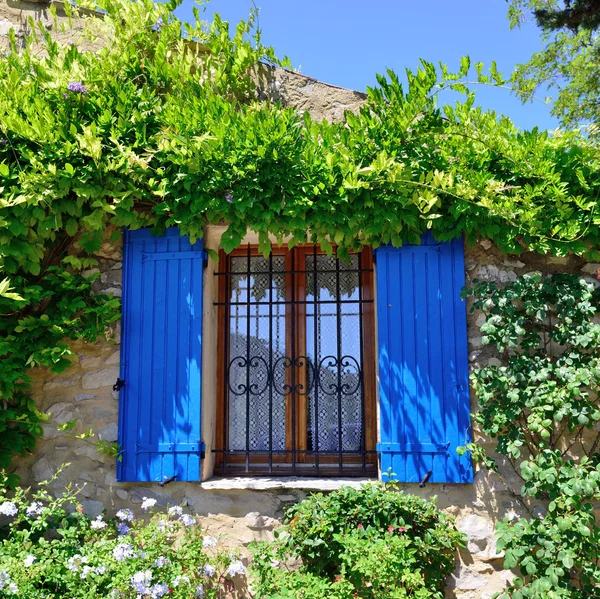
x,y
250,483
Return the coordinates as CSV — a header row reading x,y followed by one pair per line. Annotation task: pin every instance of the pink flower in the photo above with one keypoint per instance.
x,y
401,528
360,527
390,529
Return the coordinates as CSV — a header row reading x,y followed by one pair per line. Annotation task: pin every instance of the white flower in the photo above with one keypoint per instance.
x,y
85,571
199,591
4,579
122,552
74,562
35,509
162,525
140,581
13,589
180,580
209,570
209,542
236,567
125,515
187,520
8,508
148,502
100,570
175,510
161,561
98,523
28,561
158,590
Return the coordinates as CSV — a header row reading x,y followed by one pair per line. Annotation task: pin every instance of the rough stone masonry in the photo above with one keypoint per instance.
x,y
240,510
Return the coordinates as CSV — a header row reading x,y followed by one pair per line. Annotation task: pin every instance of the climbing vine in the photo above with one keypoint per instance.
x,y
541,407
157,124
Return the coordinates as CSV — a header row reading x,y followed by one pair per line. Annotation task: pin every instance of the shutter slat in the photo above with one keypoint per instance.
x,y
423,361
160,409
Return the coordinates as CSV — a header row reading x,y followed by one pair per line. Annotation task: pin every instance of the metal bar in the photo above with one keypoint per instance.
x,y
248,268
316,350
270,363
339,358
361,376
293,363
323,452
226,360
296,303
299,271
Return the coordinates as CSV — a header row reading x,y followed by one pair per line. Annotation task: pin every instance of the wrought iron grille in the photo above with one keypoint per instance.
x,y
293,364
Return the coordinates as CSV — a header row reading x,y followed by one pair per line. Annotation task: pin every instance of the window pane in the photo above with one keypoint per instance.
x,y
257,328
333,341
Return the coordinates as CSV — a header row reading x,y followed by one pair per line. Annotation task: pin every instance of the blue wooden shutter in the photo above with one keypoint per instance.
x,y
423,362
160,404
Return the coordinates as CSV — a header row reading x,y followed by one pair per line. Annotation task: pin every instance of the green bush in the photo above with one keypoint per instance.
x,y
370,543
541,407
50,549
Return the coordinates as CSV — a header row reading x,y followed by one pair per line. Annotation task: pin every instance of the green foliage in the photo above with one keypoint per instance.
x,y
161,127
554,14
541,406
370,542
50,549
569,61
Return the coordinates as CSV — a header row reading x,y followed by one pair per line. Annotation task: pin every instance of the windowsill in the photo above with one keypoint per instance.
x,y
264,483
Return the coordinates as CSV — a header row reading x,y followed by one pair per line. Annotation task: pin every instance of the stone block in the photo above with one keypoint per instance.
x,y
84,396
493,273
100,378
114,358
112,278
109,433
86,361
479,531
42,470
62,412
486,244
122,494
5,26
591,268
92,507
89,451
257,521
63,382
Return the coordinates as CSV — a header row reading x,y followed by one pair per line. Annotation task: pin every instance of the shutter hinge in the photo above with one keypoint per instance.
x,y
118,385
425,478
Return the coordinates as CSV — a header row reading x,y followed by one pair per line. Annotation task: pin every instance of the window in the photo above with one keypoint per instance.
x,y
296,362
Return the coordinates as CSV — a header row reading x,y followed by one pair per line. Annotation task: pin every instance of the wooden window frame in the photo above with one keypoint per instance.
x,y
296,428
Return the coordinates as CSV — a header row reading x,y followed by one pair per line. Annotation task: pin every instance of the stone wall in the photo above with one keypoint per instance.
x,y
243,509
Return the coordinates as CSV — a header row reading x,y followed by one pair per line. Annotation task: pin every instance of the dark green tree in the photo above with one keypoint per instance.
x,y
569,62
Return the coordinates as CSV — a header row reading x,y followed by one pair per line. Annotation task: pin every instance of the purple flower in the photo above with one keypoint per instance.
x,y
125,515
8,508
122,528
187,520
159,23
229,197
140,582
77,87
35,509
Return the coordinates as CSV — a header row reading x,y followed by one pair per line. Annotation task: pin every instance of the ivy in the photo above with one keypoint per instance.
x,y
158,125
541,407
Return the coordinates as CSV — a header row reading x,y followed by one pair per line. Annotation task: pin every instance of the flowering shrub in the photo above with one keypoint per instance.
x,y
365,543
51,549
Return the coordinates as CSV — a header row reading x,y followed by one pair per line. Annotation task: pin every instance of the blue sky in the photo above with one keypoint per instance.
x,y
346,42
